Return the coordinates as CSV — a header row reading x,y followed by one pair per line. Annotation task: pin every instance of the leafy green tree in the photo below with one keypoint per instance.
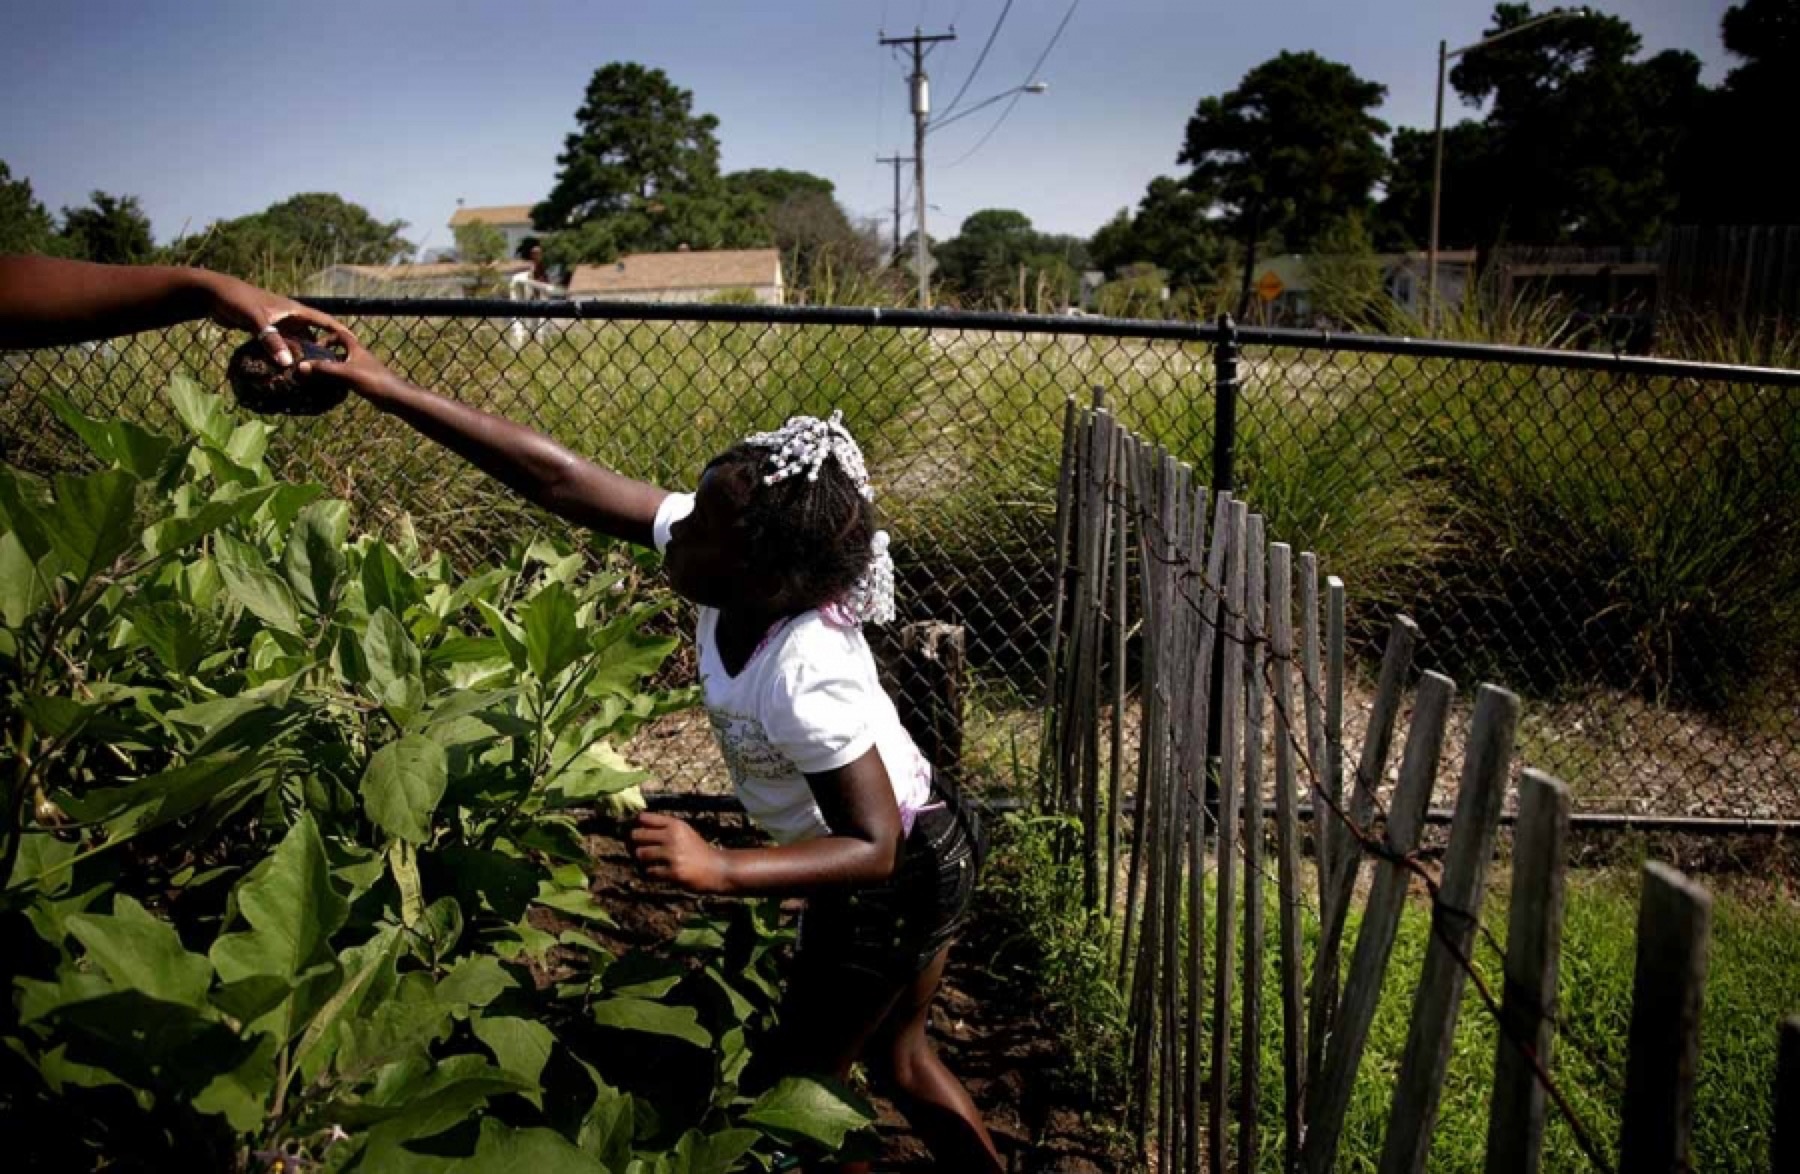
x,y
1346,278
25,225
1473,187
998,257
1724,176
1294,148
636,138
816,237
1583,135
110,229
479,244
307,231
1172,230
773,185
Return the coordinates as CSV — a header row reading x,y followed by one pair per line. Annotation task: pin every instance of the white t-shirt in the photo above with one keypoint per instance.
x,y
809,700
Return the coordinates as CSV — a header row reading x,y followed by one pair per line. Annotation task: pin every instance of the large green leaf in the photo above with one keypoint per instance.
x,y
241,1096
475,981
23,511
629,1014
93,520
292,907
250,581
393,661
203,412
313,560
521,1046
390,1031
176,632
802,1107
153,801
368,979
510,634
141,952
138,451
172,534
624,656
553,640
22,587
402,786
710,1153
498,1149
386,582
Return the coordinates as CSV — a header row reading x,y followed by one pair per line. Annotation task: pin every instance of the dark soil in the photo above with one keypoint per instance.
x,y
986,1027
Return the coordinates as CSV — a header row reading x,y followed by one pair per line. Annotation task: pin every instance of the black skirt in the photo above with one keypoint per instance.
x,y
893,930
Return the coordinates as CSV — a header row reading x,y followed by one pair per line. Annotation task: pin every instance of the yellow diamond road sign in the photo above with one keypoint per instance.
x,y
1268,286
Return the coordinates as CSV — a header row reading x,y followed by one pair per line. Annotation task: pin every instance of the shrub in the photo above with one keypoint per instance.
x,y
291,845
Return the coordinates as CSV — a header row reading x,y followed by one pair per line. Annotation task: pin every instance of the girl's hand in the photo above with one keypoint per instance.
x,y
242,306
669,849
365,373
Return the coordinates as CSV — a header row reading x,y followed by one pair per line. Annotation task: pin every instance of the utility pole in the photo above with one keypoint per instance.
x,y
896,160
920,44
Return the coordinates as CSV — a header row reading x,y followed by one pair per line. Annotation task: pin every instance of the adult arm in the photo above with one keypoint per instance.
x,y
863,848
525,461
45,301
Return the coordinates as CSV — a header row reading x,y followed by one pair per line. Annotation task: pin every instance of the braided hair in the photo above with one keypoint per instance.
x,y
810,523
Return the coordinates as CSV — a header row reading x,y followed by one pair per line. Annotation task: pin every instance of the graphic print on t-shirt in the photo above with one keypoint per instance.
x,y
745,745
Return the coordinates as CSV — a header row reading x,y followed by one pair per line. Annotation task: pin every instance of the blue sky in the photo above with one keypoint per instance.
x,y
206,109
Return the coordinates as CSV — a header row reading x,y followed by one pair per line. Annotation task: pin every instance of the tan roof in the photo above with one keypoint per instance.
x,y
430,270
499,214
718,269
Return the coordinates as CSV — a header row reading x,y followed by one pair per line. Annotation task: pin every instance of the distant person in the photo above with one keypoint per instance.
x,y
778,547
539,272
45,301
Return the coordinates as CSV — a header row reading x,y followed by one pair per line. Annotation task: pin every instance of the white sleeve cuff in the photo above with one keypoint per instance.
x,y
674,507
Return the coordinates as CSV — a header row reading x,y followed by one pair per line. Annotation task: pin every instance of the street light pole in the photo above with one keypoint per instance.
x,y
1437,188
1437,165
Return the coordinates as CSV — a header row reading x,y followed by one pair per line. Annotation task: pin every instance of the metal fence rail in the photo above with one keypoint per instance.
x,y
1618,537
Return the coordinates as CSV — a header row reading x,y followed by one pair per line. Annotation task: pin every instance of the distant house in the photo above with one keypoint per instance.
x,y
432,279
1283,287
514,220
752,274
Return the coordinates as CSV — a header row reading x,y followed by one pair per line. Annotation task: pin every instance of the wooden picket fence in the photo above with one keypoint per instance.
x,y
1175,604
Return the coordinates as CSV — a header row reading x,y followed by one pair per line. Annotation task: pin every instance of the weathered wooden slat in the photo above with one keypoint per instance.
x,y
1175,827
1052,729
1250,1048
1101,463
1115,798
1137,464
1454,917
1225,921
1329,1096
1312,695
1287,848
1674,929
1396,663
1313,782
1515,1138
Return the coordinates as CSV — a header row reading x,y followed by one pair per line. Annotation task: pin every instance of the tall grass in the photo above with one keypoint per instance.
x,y
1555,529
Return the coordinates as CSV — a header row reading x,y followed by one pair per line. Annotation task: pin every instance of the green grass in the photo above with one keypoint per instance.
x,y
1753,982
1554,530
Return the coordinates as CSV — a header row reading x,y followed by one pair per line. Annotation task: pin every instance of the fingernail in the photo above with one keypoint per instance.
x,y
285,359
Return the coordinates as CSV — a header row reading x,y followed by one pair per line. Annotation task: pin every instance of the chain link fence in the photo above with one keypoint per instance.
x,y
1618,539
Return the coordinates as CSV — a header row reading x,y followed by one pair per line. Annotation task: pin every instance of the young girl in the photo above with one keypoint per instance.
x,y
778,547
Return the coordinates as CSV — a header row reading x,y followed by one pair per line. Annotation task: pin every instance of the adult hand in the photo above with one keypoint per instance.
x,y
242,306
669,849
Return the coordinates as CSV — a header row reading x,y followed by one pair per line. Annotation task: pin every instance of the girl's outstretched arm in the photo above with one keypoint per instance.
x,y
49,302
527,462
862,849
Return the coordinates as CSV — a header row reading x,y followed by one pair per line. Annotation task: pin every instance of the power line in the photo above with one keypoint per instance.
x,y
979,59
1036,66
